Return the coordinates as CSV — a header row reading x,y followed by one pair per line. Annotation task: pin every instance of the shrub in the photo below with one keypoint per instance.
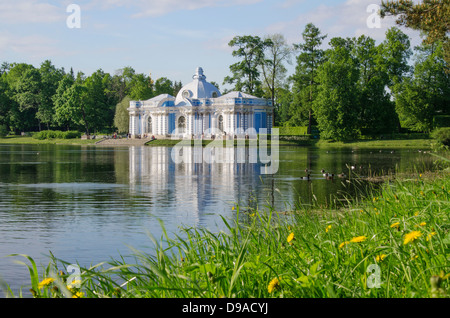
x,y
56,134
442,136
293,131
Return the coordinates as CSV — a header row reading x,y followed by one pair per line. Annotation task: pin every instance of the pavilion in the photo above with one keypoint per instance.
x,y
199,109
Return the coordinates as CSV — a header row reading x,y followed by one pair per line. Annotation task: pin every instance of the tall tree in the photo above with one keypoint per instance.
x,y
430,16
305,81
336,106
63,114
426,93
50,77
273,70
377,111
245,73
122,117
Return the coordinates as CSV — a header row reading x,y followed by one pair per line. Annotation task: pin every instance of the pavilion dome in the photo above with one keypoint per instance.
x,y
198,88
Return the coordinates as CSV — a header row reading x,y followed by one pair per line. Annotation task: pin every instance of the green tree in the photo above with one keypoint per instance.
x,y
426,93
63,114
273,69
305,80
50,77
122,117
24,82
245,74
377,110
140,87
336,106
430,16
163,86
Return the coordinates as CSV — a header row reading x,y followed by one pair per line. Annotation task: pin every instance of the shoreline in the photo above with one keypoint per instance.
x,y
321,144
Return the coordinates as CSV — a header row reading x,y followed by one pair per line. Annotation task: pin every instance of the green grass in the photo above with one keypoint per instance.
x,y
31,140
320,262
394,143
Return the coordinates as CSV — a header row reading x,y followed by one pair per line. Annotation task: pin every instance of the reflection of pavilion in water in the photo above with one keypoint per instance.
x,y
194,183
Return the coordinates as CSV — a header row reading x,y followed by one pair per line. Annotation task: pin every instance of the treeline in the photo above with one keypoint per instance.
x,y
354,87
44,98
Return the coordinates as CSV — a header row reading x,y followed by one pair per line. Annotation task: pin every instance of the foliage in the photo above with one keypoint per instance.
x,y
430,16
305,80
122,118
293,131
56,134
245,73
425,93
442,136
336,106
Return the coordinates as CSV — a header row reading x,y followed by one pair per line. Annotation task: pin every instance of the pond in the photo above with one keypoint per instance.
x,y
88,204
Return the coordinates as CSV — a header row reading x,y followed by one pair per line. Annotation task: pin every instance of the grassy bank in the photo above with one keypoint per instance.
x,y
393,243
394,143
31,140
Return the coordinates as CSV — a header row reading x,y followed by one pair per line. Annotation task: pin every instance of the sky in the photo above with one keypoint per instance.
x,y
169,38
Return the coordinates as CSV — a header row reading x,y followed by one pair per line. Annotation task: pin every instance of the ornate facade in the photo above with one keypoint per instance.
x,y
199,109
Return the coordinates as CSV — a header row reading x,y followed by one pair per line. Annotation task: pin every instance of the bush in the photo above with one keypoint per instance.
x,y
293,131
442,136
56,134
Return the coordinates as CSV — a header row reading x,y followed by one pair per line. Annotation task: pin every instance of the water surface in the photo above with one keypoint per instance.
x,y
89,204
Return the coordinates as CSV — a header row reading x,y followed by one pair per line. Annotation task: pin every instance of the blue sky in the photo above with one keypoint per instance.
x,y
167,38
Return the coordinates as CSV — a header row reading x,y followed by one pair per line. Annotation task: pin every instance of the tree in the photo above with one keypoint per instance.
x,y
377,110
245,73
122,117
50,77
430,16
336,106
141,87
305,78
63,114
426,93
163,86
273,69
24,83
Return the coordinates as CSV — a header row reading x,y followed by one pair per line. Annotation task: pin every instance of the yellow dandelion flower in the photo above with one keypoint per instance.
x,y
74,284
358,239
273,285
78,295
45,282
396,225
290,237
328,228
431,235
232,208
343,244
423,224
380,257
416,213
411,237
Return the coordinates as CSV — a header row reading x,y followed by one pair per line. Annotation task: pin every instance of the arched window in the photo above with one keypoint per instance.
x,y
149,125
182,125
221,123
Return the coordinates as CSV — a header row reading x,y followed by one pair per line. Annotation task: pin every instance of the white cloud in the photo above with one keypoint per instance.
x,y
29,11
153,8
347,19
33,46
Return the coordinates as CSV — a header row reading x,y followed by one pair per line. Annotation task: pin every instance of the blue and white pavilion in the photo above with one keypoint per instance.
x,y
199,109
